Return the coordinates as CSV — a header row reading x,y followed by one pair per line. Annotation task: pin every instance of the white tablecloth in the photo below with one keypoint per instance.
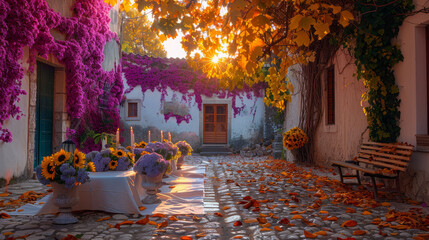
x,y
121,192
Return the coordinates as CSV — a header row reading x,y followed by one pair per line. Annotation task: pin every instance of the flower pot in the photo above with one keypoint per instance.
x,y
180,162
65,199
151,184
173,165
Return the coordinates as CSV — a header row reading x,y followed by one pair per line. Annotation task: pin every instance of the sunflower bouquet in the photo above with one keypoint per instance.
x,y
64,168
111,159
141,144
151,164
294,138
184,148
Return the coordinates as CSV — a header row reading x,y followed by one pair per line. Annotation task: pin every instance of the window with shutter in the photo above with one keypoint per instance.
x,y
330,93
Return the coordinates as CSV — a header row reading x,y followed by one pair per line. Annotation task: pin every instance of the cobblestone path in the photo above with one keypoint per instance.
x,y
245,198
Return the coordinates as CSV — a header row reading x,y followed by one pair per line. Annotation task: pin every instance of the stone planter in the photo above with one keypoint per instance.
x,y
65,199
173,165
151,184
180,162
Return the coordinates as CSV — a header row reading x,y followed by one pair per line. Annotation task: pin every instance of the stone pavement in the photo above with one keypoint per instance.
x,y
245,198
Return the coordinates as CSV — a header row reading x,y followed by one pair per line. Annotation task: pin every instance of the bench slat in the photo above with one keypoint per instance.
x,y
387,160
377,163
354,166
393,156
389,145
399,152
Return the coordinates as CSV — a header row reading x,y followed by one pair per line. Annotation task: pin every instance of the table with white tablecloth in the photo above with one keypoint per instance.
x,y
121,192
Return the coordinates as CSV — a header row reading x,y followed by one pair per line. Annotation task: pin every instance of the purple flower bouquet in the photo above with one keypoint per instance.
x,y
151,164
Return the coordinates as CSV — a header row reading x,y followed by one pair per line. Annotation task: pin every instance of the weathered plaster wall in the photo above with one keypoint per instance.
x,y
341,140
13,155
245,127
412,80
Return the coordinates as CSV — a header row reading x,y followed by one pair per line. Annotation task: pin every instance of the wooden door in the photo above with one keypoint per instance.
x,y
215,123
44,112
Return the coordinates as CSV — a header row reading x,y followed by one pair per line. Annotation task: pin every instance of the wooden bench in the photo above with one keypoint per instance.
x,y
382,160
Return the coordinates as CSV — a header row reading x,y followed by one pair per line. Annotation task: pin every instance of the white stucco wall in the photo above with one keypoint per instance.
x,y
412,81
293,108
247,126
13,155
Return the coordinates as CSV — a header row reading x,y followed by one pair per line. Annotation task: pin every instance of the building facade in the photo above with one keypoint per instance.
x,y
42,128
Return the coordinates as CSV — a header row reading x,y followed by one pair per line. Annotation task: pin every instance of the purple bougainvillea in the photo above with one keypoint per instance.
x,y
93,94
162,73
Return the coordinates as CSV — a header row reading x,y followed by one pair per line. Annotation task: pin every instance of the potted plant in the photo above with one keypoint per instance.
x,y
151,167
65,172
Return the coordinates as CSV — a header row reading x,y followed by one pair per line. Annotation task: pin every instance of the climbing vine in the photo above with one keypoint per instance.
x,y
93,94
376,55
163,73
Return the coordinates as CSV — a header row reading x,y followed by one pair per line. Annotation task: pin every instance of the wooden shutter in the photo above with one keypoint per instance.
x,y
132,109
330,82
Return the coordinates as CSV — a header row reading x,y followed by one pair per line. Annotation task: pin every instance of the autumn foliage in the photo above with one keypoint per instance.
x,y
255,41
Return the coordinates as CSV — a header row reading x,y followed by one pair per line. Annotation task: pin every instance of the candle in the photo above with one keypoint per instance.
x,y
104,143
132,139
148,138
169,136
117,138
162,137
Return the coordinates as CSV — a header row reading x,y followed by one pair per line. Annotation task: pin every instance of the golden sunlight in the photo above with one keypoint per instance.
x,y
215,59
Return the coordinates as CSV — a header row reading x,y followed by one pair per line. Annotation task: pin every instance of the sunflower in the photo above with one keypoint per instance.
x,y
61,157
48,168
79,159
119,153
113,165
91,167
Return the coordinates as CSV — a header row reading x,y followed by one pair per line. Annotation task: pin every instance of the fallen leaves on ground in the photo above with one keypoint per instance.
x,y
27,197
142,208
69,237
185,238
349,223
309,234
237,224
103,219
218,214
143,221
359,232
163,224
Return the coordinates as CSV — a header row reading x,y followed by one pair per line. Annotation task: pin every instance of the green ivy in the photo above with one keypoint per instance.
x,y
376,55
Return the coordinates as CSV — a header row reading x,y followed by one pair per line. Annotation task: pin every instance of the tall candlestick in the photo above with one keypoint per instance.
x,y
162,137
169,136
148,137
104,142
132,139
117,138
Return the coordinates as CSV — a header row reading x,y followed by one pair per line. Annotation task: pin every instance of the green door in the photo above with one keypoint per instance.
x,y
44,112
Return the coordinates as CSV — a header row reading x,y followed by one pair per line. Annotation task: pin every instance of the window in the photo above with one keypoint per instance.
x,y
330,93
132,109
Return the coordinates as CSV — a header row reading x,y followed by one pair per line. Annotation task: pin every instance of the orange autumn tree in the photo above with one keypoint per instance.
x,y
243,35
138,37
